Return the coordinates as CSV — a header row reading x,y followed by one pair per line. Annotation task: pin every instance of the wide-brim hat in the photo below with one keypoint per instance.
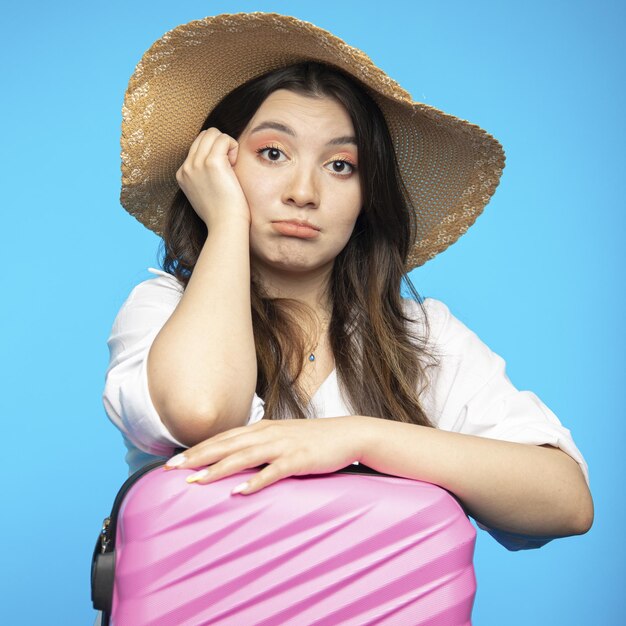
x,y
450,167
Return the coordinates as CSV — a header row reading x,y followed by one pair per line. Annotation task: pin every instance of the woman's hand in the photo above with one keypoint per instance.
x,y
289,447
208,180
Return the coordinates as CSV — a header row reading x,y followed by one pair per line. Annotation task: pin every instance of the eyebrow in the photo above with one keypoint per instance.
x,y
337,141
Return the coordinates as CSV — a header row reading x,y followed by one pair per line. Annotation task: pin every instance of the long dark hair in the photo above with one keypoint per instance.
x,y
380,357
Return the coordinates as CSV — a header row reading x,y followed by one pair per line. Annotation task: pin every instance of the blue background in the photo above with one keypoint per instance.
x,y
539,277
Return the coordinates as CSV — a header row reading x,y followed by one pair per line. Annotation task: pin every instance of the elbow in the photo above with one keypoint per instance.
x,y
584,505
586,514
576,501
580,509
195,423
189,426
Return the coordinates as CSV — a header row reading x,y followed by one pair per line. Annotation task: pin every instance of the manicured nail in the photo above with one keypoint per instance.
x,y
241,487
175,461
198,476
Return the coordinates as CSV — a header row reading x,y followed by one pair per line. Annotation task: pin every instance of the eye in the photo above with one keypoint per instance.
x,y
341,167
270,153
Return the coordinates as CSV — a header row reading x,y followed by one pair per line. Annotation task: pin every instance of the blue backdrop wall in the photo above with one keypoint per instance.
x,y
540,277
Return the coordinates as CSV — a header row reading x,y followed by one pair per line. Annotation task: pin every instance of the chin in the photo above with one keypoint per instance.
x,y
292,265
293,262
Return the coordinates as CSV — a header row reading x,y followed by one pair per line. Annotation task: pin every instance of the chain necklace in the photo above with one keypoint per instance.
x,y
311,357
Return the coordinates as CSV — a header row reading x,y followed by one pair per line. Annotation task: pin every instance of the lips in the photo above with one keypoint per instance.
x,y
300,229
302,223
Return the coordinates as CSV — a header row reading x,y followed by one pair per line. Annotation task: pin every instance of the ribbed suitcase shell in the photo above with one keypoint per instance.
x,y
331,549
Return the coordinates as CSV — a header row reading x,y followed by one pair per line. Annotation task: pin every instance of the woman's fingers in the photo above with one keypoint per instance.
x,y
224,144
289,447
216,448
200,145
208,179
211,143
197,153
239,449
270,474
233,464
233,151
213,146
200,139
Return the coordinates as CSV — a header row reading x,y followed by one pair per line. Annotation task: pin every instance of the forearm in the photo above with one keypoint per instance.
x,y
514,487
202,364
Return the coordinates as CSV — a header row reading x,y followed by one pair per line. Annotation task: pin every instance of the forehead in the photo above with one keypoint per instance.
x,y
305,114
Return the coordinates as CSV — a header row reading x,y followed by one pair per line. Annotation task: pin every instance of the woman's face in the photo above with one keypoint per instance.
x,y
297,165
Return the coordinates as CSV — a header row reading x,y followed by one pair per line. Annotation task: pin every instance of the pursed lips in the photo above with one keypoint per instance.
x,y
297,223
300,229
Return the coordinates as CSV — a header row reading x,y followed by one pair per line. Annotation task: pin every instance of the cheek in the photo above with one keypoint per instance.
x,y
260,201
344,229
257,189
351,199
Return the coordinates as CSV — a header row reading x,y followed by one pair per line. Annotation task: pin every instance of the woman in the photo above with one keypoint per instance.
x,y
288,224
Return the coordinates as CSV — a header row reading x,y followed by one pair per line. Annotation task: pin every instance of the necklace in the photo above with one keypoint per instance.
x,y
311,356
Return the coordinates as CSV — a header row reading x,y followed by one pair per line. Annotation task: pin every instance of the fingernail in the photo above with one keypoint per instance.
x,y
241,487
198,476
175,461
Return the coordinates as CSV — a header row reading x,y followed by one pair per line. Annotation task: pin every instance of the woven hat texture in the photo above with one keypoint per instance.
x,y
450,167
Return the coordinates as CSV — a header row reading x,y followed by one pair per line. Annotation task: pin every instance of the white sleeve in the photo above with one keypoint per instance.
x,y
471,393
126,397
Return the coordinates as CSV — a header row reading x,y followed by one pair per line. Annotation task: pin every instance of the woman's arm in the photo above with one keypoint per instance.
x,y
512,487
520,488
202,364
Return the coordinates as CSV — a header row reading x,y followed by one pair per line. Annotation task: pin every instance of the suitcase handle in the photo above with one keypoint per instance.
x,y
103,560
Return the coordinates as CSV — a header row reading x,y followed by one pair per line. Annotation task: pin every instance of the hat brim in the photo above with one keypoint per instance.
x,y
450,167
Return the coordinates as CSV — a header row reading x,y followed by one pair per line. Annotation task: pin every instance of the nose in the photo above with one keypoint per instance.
x,y
302,189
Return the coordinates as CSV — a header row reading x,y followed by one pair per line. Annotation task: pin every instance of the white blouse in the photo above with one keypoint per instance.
x,y
469,392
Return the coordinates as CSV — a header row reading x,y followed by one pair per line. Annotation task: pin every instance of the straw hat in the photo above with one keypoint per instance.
x,y
450,167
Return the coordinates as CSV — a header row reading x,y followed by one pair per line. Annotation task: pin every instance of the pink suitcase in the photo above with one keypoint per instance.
x,y
347,548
